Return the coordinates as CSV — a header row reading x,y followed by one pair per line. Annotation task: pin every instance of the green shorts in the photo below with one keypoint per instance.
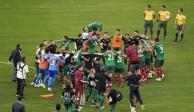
x,y
142,64
148,61
119,70
134,66
66,69
159,63
109,68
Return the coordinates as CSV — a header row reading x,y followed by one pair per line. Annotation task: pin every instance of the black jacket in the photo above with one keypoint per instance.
x,y
133,80
18,107
112,95
15,55
100,82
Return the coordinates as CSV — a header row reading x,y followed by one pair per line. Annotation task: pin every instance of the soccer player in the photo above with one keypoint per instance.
x,y
52,69
109,61
149,15
180,24
163,17
43,65
92,44
95,25
67,95
142,65
105,41
77,57
158,50
91,86
126,41
135,38
119,68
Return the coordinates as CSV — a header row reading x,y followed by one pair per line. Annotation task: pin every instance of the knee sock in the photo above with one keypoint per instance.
x,y
176,37
158,33
182,36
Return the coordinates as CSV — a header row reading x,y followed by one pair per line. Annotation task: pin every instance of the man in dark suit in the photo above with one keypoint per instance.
x,y
16,57
18,106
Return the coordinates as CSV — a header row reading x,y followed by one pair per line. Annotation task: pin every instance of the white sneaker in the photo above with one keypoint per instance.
x,y
36,85
43,86
102,107
80,108
32,83
142,107
49,89
133,109
158,79
163,76
150,75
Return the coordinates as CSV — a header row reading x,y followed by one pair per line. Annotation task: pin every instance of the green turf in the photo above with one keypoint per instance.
x,y
30,21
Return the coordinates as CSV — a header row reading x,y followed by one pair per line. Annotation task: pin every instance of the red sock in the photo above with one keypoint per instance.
x,y
158,70
121,79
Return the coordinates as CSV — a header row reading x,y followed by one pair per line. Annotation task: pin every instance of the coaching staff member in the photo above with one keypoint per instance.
x,y
133,83
16,57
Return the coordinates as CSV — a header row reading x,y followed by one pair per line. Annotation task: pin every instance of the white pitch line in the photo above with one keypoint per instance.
x,y
8,63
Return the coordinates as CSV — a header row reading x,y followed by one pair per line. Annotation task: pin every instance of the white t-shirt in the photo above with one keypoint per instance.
x,y
84,35
21,72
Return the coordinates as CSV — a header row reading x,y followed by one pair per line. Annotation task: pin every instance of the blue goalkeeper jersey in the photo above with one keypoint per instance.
x,y
53,64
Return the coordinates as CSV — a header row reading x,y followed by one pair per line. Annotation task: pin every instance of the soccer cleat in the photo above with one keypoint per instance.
x,y
49,89
43,86
36,85
16,95
158,79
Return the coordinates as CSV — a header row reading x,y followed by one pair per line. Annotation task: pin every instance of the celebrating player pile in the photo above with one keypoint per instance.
x,y
88,71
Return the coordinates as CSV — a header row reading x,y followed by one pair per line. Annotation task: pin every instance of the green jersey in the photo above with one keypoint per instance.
x,y
141,54
146,54
119,62
65,43
158,50
95,25
92,46
109,59
77,57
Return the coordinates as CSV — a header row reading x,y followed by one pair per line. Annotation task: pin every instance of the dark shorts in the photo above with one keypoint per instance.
x,y
142,64
109,68
148,24
43,71
179,27
66,69
159,63
119,70
52,73
116,49
148,61
162,24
